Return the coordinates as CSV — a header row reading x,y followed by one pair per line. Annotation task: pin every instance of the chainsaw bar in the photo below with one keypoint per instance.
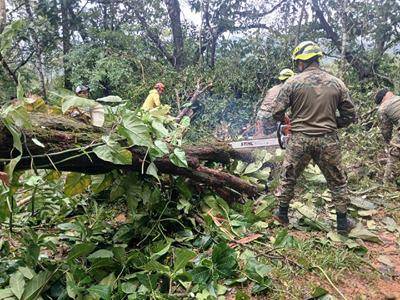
x,y
255,143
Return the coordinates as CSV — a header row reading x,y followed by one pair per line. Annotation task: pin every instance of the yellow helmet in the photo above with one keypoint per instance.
x,y
285,74
306,50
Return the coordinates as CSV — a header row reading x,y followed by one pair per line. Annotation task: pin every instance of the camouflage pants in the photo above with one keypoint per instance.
x,y
325,152
393,161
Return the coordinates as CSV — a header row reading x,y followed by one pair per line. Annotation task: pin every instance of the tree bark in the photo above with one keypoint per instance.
x,y
38,49
174,12
3,15
61,135
66,34
364,68
343,18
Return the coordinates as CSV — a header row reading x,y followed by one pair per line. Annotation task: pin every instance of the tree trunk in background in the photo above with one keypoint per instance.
x,y
302,13
364,68
174,12
2,15
343,18
213,50
66,40
38,48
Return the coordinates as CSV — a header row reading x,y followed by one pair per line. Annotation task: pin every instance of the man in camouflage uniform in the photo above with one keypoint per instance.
x,y
389,123
265,122
314,97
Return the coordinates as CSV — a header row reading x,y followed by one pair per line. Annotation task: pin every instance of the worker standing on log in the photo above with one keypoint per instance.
x,y
314,97
153,99
389,121
265,122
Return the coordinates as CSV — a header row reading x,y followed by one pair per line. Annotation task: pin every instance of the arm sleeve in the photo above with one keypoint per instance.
x,y
386,127
281,103
347,111
156,99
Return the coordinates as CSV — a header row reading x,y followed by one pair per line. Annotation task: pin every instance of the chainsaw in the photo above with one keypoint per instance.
x,y
281,139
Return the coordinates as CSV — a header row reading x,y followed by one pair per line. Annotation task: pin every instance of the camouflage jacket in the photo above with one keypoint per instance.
x,y
269,99
314,96
389,117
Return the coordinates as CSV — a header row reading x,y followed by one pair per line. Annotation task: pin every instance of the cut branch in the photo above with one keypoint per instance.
x,y
62,136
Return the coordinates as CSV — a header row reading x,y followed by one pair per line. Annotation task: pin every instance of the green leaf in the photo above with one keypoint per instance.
x,y
72,288
253,167
148,280
76,183
161,146
69,101
35,286
185,122
102,253
257,271
159,128
113,152
104,292
137,259
201,275
135,131
224,260
159,249
27,272
155,266
110,99
17,284
178,158
5,293
19,116
128,287
101,182
152,170
81,250
108,280
284,240
182,258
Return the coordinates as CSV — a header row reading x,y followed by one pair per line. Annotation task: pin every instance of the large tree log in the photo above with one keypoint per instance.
x,y
69,144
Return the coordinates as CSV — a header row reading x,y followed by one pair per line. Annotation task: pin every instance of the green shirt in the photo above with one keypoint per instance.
x,y
389,117
314,98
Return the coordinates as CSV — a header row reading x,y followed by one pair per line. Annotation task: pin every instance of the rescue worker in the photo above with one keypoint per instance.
x,y
314,97
389,124
153,99
82,91
265,122
77,113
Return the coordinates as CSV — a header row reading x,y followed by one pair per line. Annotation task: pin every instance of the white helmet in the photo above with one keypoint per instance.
x,y
81,88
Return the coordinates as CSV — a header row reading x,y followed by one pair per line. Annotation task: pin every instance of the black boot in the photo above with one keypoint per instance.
x,y
344,225
281,215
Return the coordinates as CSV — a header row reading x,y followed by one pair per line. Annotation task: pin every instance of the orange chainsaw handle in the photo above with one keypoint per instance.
x,y
287,128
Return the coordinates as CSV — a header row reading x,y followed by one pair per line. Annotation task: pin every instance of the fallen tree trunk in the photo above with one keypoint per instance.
x,y
69,145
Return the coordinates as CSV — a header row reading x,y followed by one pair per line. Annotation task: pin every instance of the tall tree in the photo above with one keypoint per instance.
x,y
66,40
3,14
174,12
38,48
373,29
